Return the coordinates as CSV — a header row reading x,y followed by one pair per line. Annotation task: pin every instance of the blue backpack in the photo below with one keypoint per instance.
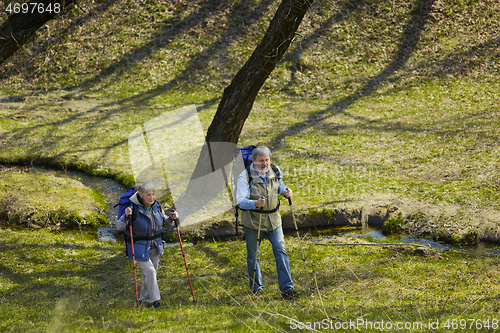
x,y
122,205
125,201
246,152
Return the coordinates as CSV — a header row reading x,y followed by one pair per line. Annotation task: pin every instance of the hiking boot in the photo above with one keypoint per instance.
x,y
290,294
257,292
154,305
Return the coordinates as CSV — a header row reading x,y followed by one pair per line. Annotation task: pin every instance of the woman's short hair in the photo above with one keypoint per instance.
x,y
146,187
260,151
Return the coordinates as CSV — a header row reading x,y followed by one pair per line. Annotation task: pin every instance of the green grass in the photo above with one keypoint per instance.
x,y
373,97
73,283
38,198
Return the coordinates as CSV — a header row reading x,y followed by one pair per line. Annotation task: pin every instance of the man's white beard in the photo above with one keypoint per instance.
x,y
262,171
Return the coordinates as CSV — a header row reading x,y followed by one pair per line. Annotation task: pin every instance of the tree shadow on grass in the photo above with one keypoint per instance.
x,y
461,62
419,17
306,42
177,27
39,49
43,274
108,111
200,58
358,284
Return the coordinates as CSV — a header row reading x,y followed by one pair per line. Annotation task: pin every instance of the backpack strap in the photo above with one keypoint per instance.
x,y
126,237
278,177
276,171
249,175
136,238
134,212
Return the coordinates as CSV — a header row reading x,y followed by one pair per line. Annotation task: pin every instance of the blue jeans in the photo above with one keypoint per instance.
x,y
282,263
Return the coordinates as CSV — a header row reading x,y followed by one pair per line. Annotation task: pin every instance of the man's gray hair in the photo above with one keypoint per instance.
x,y
261,151
146,187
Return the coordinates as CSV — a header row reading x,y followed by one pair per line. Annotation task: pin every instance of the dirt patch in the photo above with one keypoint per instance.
x,y
487,223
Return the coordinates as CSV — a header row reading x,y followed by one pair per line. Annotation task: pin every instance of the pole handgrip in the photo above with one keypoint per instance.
x,y
176,221
289,199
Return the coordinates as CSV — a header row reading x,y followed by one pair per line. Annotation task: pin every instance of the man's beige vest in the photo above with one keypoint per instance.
x,y
258,188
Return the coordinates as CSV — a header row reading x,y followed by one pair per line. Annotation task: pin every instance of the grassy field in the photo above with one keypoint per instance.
x,y
373,98
73,283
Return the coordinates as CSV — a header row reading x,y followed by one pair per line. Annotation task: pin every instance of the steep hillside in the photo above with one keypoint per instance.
x,y
374,97
343,47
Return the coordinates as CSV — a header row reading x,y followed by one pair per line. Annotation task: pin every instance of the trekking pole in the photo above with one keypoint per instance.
x,y
297,229
257,247
133,258
176,221
236,214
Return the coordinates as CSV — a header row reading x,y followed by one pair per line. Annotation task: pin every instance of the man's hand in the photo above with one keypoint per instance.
x,y
287,193
261,202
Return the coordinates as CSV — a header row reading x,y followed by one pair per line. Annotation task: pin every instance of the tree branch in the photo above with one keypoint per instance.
x,y
20,27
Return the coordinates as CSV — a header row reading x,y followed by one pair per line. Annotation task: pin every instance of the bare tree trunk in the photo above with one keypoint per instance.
x,y
20,27
238,98
237,102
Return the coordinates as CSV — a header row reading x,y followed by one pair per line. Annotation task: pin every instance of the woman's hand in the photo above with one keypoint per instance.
x,y
174,216
128,211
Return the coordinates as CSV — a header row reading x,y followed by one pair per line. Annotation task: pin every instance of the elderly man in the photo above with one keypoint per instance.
x,y
257,195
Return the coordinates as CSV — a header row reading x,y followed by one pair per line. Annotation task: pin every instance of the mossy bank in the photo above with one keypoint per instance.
x,y
38,199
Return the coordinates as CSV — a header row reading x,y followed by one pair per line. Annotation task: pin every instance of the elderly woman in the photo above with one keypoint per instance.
x,y
148,219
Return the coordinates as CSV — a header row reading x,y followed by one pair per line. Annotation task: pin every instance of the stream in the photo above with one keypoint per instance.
x,y
376,235
112,191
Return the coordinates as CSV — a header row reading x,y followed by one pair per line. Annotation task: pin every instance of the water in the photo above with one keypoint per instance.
x,y
376,234
105,234
112,191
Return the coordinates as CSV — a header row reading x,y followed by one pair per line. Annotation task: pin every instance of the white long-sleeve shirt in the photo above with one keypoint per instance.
x,y
243,190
